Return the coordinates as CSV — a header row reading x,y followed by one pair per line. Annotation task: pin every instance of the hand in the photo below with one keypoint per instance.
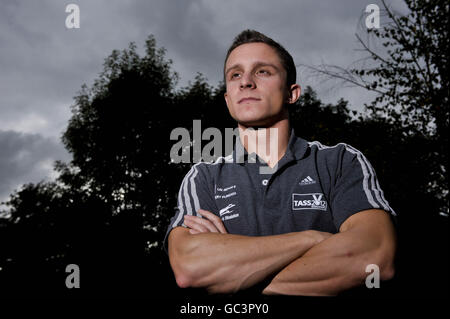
x,y
209,224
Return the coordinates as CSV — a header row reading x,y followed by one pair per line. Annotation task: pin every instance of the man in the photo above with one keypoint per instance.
x,y
311,227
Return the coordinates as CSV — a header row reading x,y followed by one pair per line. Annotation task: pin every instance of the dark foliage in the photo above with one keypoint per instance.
x,y
405,62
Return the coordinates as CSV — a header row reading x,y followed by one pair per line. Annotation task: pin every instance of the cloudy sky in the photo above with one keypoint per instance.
x,y
43,64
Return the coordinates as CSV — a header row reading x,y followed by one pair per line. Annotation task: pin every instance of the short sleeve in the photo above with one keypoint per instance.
x,y
194,194
356,187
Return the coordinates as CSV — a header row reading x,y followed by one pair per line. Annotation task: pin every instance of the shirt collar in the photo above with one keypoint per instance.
x,y
295,150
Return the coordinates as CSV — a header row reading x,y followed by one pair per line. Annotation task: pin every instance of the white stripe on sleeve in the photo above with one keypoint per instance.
x,y
180,200
368,173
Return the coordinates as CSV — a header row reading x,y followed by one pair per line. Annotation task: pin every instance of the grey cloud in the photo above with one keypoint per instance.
x,y
26,158
44,64
198,33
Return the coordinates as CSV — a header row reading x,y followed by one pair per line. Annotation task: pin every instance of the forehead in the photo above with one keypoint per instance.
x,y
249,53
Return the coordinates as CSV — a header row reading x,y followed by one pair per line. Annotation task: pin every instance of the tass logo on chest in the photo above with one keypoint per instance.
x,y
308,201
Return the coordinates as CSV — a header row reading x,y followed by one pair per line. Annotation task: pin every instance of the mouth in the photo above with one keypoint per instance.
x,y
248,99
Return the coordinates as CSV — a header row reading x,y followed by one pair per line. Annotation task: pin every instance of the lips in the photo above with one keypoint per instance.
x,y
248,99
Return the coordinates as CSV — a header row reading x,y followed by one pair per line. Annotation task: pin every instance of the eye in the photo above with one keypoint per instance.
x,y
235,75
263,72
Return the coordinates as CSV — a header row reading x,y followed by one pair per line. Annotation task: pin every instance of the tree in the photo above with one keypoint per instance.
x,y
110,206
411,78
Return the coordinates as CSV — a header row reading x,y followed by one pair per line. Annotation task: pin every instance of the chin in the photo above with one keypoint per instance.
x,y
255,122
260,121
250,116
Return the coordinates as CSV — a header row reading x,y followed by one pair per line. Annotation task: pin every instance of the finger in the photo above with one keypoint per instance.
x,y
200,224
214,219
204,222
193,231
193,225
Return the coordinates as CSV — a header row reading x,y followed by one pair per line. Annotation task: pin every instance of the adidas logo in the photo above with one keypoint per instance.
x,y
307,181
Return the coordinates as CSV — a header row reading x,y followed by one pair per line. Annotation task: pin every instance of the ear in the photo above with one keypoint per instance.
x,y
294,93
225,95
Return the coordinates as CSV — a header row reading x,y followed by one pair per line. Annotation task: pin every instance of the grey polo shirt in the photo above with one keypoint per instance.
x,y
314,187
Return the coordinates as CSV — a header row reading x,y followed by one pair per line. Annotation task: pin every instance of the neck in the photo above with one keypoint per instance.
x,y
269,143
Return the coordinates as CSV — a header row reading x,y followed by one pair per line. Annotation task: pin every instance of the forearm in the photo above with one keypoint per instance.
x,y
336,264
227,263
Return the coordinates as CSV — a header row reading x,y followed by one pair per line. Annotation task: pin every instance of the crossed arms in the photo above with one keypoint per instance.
x,y
301,263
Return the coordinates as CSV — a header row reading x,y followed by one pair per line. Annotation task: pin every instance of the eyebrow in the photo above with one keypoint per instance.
x,y
255,65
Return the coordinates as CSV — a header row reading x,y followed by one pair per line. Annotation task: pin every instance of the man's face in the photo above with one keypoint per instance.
x,y
256,85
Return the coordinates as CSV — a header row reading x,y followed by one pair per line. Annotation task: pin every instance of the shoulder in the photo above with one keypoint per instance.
x,y
340,155
326,149
210,169
332,151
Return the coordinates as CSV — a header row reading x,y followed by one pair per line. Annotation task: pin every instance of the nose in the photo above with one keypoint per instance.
x,y
247,81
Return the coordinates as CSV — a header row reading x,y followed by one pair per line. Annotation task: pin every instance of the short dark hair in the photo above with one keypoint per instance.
x,y
252,36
